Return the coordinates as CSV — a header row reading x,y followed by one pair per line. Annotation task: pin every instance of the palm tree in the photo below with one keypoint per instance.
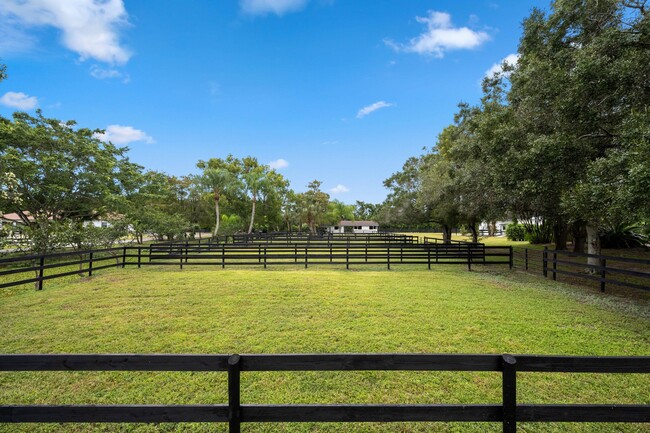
x,y
218,181
256,180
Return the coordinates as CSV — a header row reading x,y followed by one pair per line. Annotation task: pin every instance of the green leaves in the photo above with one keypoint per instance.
x,y
55,172
563,137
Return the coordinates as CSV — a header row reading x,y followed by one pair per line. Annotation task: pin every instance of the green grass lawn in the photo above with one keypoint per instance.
x,y
292,310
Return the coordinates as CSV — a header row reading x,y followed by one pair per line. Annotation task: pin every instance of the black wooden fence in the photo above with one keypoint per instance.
x,y
37,269
574,267
508,413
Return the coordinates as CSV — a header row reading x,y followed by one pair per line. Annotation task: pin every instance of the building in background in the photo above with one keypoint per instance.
x,y
362,227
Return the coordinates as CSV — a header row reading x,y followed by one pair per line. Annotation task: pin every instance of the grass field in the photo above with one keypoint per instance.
x,y
281,310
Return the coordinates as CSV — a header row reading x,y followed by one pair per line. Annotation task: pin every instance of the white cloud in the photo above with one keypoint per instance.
x,y
118,134
103,74
88,27
373,107
19,100
339,189
440,36
497,68
278,7
279,164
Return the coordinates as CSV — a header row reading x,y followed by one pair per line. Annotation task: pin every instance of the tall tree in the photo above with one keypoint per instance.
x,y
401,206
256,181
580,80
61,172
365,211
314,204
218,180
220,176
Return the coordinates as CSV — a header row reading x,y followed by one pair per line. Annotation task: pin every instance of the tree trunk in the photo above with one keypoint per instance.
x,y
250,227
446,233
593,247
216,211
492,228
579,232
472,228
560,235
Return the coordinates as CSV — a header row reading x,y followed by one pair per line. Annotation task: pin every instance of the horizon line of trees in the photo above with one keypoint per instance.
x,y
559,142
59,178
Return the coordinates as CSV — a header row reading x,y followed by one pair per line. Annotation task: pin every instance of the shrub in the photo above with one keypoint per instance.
x,y
230,224
516,232
539,233
623,236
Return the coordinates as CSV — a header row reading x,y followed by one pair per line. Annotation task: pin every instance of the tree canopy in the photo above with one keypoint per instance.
x,y
559,140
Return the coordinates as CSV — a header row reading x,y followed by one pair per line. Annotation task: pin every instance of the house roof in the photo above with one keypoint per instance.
x,y
14,217
357,223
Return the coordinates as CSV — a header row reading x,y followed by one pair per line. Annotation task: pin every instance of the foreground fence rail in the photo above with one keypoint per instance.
x,y
508,413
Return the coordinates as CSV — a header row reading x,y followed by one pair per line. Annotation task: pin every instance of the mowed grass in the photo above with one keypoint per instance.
x,y
322,310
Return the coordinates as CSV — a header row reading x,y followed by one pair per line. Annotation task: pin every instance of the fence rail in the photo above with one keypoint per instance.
x,y
37,269
610,270
509,412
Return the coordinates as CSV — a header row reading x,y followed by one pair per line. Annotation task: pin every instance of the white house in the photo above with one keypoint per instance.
x,y
354,227
499,226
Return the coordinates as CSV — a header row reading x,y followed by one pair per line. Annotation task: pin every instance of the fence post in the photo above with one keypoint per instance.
x,y
509,384
429,257
40,272
223,256
469,257
545,262
306,255
139,257
388,256
123,257
234,394
554,266
186,250
347,256
295,253
264,257
511,256
180,254
603,274
90,264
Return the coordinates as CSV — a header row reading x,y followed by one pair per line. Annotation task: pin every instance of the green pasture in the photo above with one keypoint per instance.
x,y
318,310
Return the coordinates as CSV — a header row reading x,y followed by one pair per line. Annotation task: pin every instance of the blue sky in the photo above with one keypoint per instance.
x,y
342,91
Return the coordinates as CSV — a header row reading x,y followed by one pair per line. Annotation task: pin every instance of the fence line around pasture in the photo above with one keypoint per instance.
x,y
610,270
32,269
434,240
508,413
